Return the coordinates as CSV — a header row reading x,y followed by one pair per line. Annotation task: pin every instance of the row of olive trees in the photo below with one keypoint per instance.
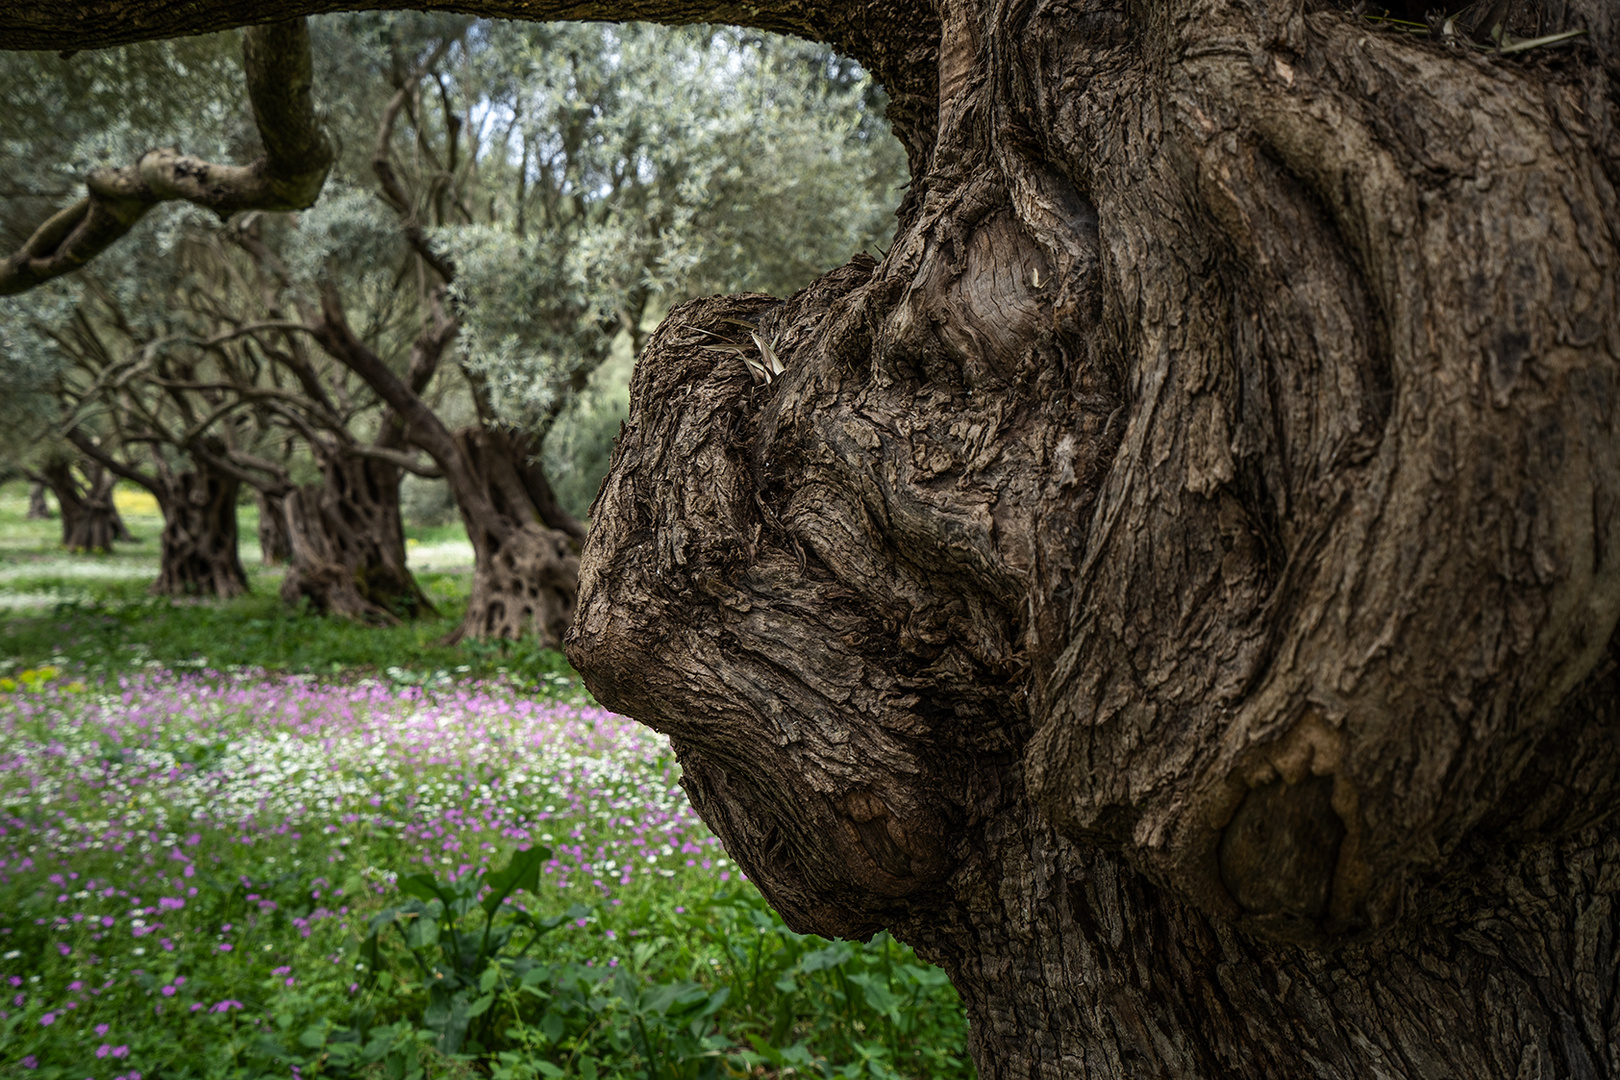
x,y
504,205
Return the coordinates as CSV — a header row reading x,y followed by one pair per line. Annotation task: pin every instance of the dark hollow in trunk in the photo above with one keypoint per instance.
x,y
347,544
90,521
274,547
525,546
198,547
39,509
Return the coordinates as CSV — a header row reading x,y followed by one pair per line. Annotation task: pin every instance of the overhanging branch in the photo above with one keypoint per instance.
x,y
896,40
277,64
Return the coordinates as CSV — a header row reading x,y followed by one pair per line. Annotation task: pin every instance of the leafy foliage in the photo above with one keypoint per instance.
x,y
643,162
580,178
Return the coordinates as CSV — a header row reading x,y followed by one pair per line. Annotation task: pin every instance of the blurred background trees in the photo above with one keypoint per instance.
x,y
511,210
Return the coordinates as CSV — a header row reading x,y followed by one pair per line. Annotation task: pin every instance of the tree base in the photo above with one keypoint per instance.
x,y
524,586
525,546
198,553
347,546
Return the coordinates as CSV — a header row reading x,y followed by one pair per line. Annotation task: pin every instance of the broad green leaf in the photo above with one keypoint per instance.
x,y
422,887
522,872
422,933
453,1017
830,957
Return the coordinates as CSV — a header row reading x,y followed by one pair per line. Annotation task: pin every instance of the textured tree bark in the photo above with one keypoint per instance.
x,y
274,549
525,545
1176,588
1161,590
90,521
198,546
347,544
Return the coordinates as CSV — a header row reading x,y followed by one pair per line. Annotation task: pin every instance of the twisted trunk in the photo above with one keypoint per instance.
x,y
525,546
198,547
1176,588
274,548
347,544
90,521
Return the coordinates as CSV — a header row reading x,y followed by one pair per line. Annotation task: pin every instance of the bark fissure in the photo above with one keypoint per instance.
x,y
1205,507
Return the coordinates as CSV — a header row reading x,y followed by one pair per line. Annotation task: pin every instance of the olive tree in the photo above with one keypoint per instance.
x,y
1174,588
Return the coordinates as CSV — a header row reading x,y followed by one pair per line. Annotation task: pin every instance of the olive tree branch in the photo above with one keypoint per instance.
x,y
297,156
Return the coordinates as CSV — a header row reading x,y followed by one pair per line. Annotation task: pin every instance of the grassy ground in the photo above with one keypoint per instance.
x,y
94,612
238,842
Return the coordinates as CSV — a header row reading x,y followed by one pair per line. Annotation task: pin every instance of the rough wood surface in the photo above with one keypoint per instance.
x,y
197,550
525,546
346,544
1149,589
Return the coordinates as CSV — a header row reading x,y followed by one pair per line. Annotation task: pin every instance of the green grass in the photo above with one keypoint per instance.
x,y
233,878
94,613
154,781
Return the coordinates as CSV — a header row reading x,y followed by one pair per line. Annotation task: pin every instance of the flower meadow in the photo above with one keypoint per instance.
x,y
245,874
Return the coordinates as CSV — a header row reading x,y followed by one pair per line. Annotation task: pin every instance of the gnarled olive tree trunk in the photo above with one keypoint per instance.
x,y
198,547
1176,588
90,521
346,544
525,545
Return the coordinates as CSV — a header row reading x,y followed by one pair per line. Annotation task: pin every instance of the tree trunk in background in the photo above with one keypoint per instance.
x,y
90,521
347,544
274,547
525,546
38,508
198,552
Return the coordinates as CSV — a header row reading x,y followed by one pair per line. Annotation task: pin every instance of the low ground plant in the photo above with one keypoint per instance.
x,y
248,874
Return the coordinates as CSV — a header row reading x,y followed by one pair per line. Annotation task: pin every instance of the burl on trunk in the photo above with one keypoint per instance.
x,y
1175,588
